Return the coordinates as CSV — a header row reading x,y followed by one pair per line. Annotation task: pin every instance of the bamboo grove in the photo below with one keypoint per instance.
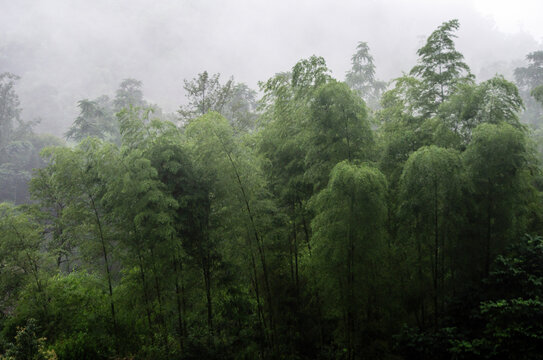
x,y
327,220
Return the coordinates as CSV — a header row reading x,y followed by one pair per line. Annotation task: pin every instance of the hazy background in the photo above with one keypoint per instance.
x,y
67,50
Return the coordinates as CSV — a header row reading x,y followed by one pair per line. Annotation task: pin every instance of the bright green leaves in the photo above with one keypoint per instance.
x,y
148,153
493,101
352,205
439,73
24,263
279,237
350,214
211,142
21,238
339,130
227,169
430,182
309,74
440,68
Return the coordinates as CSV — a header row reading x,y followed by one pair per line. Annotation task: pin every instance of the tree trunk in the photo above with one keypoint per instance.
x,y
178,268
106,261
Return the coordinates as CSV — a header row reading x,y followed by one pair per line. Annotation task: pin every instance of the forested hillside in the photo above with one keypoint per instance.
x,y
315,219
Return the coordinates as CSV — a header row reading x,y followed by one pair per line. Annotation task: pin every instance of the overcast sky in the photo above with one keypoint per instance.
x,y
67,50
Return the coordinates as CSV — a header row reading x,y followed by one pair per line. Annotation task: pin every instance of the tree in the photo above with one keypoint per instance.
x,y
205,93
401,129
235,101
537,93
440,68
511,311
309,74
347,234
338,130
158,203
430,194
95,119
28,346
13,150
496,162
24,264
240,109
235,195
283,138
9,107
498,319
79,173
361,77
50,193
283,141
129,94
493,101
528,78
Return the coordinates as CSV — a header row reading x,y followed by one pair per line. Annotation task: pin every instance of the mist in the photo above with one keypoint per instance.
x,y
363,179
65,51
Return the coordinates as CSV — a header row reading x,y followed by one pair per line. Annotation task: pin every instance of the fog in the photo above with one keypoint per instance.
x,y
69,50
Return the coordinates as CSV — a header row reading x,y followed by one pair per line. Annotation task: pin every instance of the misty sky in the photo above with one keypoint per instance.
x,y
67,50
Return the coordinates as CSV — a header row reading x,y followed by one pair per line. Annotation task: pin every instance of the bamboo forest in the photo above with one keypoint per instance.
x,y
309,218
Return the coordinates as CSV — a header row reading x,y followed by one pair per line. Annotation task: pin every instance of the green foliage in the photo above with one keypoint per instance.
x,y
270,233
309,74
28,346
76,318
493,101
235,101
537,93
205,93
95,119
339,130
281,138
24,264
496,163
502,322
440,68
402,131
430,197
348,234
